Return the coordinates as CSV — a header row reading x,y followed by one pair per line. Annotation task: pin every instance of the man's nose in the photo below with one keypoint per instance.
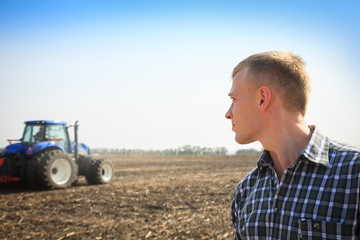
x,y
228,115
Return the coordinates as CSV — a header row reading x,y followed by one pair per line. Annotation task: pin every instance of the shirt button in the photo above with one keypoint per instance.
x,y
275,211
316,226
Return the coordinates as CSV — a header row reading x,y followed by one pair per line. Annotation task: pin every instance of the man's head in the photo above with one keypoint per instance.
x,y
284,73
262,83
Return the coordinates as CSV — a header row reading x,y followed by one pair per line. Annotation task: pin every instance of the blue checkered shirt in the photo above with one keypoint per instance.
x,y
317,198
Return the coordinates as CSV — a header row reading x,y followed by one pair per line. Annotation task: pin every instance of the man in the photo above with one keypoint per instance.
x,y
39,136
305,186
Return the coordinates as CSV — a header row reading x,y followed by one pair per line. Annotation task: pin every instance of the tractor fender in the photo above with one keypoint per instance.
x,y
15,148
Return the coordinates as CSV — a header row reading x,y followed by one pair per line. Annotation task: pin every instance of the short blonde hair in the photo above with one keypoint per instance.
x,y
283,71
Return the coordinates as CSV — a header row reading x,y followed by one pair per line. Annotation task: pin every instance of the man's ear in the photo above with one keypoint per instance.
x,y
263,97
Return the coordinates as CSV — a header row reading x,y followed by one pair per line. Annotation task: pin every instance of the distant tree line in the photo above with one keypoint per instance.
x,y
185,150
250,151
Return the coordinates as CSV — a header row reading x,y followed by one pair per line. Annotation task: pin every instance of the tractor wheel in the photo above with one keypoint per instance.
x,y
55,170
83,164
100,171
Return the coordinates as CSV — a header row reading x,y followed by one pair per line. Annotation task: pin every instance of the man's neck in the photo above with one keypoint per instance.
x,y
285,141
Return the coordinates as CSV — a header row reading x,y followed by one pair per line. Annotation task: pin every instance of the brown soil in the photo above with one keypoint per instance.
x,y
167,197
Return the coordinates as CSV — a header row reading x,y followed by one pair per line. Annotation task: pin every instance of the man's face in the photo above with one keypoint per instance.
x,y
243,110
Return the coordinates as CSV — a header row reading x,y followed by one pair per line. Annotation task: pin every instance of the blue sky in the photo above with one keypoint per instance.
x,y
155,74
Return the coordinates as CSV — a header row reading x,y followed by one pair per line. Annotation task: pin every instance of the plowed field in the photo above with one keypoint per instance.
x,y
167,197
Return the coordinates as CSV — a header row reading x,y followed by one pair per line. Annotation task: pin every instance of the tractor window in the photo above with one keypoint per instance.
x,y
59,134
33,134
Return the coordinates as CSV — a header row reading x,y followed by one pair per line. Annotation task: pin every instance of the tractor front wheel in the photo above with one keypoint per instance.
x,y
100,171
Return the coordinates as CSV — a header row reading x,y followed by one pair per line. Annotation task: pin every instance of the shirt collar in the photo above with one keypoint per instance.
x,y
316,151
264,161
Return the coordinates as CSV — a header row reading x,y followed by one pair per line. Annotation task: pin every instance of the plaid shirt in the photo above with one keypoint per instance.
x,y
317,198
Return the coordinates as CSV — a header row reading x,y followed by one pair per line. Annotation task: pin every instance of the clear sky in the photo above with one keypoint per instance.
x,y
156,74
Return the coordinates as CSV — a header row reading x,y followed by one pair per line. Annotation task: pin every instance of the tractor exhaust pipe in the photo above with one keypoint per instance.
x,y
76,149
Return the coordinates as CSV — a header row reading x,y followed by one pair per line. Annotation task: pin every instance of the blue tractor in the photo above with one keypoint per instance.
x,y
45,158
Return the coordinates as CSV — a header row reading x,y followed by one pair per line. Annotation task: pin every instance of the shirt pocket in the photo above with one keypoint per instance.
x,y
313,229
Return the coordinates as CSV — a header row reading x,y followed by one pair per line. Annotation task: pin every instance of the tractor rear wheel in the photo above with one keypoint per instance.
x,y
55,170
100,171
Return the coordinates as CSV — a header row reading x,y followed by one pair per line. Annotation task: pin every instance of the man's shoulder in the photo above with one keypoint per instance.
x,y
343,147
249,180
342,153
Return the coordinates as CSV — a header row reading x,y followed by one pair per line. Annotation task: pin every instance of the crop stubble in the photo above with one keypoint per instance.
x,y
151,197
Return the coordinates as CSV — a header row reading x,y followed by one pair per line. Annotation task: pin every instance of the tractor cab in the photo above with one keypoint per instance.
x,y
36,132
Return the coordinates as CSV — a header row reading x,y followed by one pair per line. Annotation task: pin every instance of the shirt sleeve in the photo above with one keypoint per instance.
x,y
234,215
